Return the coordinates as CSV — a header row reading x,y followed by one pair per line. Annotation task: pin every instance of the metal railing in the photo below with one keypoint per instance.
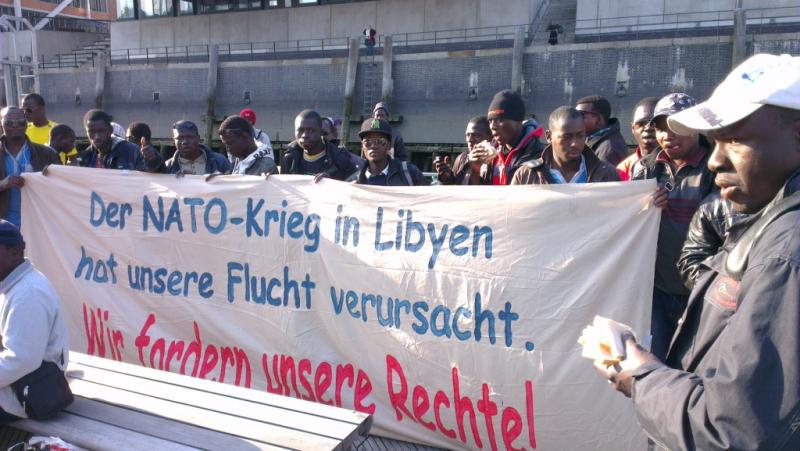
x,y
714,23
59,23
717,23
501,36
73,59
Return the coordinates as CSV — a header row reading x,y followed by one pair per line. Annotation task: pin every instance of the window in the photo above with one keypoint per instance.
x,y
126,9
210,6
74,4
155,8
185,8
247,4
99,6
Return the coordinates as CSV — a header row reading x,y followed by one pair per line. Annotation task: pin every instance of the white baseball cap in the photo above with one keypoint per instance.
x,y
761,80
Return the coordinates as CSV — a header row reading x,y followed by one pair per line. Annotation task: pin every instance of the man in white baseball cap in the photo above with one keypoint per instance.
x,y
731,377
761,80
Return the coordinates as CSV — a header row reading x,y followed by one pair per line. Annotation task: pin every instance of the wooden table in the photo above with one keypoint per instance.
x,y
122,406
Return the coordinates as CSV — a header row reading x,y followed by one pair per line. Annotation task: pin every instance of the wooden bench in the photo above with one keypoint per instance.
x,y
123,406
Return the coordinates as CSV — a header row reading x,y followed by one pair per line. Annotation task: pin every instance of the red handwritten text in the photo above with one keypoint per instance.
x,y
95,325
205,362
511,421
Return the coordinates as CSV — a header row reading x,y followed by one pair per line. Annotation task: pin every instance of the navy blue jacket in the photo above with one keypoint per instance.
x,y
397,175
215,162
338,162
123,155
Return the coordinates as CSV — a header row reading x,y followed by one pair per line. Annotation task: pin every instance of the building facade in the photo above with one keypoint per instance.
x,y
33,10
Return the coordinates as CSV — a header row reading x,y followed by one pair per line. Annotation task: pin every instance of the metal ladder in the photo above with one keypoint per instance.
x,y
371,87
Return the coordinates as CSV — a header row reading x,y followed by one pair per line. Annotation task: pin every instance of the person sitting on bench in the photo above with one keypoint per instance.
x,y
32,328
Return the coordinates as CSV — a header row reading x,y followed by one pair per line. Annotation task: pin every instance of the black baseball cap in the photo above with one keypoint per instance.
x,y
375,126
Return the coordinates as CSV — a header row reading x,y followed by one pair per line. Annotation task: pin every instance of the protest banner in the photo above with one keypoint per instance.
x,y
450,313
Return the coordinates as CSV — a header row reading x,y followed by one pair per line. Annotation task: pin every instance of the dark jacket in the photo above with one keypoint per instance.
x,y
259,162
707,232
732,374
527,148
215,162
338,162
691,183
400,174
41,156
462,172
609,145
399,147
123,155
531,174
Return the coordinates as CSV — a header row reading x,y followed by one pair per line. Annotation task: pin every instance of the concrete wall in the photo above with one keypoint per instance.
x,y
589,10
430,89
50,42
320,22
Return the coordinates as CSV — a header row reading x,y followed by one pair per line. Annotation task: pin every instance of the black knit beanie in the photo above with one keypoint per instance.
x,y
507,104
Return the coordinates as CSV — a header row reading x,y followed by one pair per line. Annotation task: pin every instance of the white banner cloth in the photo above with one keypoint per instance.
x,y
450,313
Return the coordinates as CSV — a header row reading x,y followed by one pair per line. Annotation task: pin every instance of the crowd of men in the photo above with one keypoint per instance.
x,y
729,377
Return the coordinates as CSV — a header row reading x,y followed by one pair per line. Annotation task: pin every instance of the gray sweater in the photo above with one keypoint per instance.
x,y
32,329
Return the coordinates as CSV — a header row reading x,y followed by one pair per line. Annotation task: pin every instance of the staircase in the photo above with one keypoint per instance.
x,y
557,12
80,56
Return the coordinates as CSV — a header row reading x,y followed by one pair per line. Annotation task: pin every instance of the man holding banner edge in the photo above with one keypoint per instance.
x,y
730,378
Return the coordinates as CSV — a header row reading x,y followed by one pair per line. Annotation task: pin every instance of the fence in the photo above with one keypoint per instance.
x,y
717,23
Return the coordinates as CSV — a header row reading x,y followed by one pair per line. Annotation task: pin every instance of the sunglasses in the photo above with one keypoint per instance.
x,y
13,123
374,142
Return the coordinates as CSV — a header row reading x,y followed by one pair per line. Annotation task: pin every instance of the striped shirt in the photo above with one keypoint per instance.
x,y
690,183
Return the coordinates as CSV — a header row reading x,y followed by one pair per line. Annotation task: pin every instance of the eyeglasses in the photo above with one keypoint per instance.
x,y
13,123
28,110
369,142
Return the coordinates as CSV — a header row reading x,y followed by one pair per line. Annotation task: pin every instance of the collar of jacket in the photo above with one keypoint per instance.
x,y
294,152
3,143
16,275
746,237
591,159
740,222
529,131
611,127
693,161
115,142
295,148
204,151
392,167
